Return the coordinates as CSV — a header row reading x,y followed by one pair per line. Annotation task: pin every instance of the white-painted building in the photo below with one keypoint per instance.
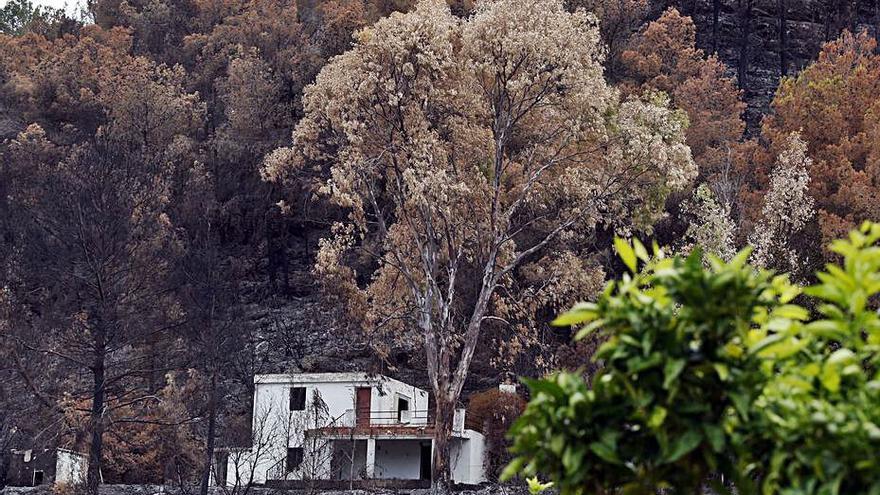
x,y
346,426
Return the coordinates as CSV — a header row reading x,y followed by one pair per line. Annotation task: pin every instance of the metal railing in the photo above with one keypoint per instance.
x,y
371,417
278,470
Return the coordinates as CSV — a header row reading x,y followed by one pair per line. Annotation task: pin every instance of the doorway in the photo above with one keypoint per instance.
x,y
425,462
362,406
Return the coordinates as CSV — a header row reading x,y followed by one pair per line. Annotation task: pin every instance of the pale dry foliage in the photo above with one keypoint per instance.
x,y
618,20
462,149
664,56
787,209
711,227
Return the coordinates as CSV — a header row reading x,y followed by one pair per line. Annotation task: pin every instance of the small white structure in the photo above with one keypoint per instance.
x,y
346,426
71,467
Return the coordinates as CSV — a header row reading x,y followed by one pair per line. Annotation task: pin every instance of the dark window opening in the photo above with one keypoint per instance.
x,y
402,408
298,399
38,478
294,458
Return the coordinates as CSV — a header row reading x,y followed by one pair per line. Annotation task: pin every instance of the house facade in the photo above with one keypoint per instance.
x,y
42,467
345,426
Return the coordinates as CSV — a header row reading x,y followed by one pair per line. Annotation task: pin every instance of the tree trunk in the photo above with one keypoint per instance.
x,y
716,13
744,48
854,16
441,474
877,19
212,427
96,420
783,37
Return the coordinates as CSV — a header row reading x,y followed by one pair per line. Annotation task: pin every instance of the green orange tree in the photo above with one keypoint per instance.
x,y
718,370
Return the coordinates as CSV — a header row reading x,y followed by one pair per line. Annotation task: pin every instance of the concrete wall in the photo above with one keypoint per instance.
x,y
275,427
24,463
398,459
467,461
345,456
70,467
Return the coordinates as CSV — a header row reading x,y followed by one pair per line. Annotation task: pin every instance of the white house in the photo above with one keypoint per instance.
x,y
346,426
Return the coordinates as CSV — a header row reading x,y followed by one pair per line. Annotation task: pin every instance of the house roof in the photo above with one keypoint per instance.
x,y
353,377
356,378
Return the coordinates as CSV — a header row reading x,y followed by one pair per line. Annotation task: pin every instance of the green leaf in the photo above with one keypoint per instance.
x,y
791,311
536,487
658,416
830,378
626,253
546,386
829,329
716,437
671,371
741,403
580,313
683,445
605,452
741,258
722,370
512,469
640,250
587,330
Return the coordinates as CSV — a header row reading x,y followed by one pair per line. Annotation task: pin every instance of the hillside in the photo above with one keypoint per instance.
x,y
747,36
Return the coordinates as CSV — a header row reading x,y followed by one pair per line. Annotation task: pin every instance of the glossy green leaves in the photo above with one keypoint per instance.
x,y
726,369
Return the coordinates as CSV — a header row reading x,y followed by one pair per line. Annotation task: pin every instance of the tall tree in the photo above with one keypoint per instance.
x,y
663,56
787,211
833,103
618,21
209,296
461,160
91,198
97,245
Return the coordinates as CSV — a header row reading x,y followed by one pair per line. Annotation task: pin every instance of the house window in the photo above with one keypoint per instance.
x,y
402,410
294,458
298,399
38,478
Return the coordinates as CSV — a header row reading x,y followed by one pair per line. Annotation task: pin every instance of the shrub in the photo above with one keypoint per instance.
x,y
716,370
496,411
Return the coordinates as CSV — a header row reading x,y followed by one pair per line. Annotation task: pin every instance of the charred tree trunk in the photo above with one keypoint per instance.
x,y
744,42
211,433
716,13
441,477
854,16
877,19
783,37
96,420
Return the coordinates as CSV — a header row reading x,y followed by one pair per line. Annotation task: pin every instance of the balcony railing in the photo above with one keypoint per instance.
x,y
354,420
372,417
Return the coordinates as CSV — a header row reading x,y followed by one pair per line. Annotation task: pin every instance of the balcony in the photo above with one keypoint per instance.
x,y
366,423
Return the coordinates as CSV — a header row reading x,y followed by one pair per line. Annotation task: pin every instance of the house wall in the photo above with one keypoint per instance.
x,y
468,460
398,459
23,464
70,467
337,391
345,456
275,427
